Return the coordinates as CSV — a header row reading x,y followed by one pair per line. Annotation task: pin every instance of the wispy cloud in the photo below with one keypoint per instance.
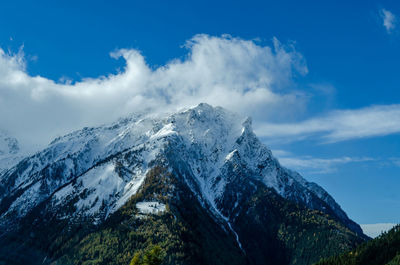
x,y
313,165
389,20
395,161
238,74
338,125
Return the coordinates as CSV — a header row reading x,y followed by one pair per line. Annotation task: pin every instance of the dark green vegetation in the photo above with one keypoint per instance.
x,y
382,250
153,256
185,232
271,230
288,233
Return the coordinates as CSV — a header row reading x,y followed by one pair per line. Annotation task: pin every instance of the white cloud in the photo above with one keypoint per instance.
x,y
338,125
374,230
312,165
234,73
238,74
389,20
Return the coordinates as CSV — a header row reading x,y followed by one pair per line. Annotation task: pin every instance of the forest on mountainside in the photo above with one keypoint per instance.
x,y
383,250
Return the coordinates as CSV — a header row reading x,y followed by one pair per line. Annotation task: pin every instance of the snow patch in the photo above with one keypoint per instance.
x,y
230,155
130,189
102,183
167,130
150,207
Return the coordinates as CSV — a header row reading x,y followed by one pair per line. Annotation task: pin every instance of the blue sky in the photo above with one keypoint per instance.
x,y
332,81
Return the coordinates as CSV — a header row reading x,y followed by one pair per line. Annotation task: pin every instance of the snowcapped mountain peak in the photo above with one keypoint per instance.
x,y
248,124
203,120
214,151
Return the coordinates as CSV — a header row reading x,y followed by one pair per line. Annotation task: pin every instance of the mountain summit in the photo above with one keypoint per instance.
x,y
201,173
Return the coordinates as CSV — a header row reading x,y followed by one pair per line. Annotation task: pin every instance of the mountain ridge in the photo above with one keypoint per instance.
x,y
95,171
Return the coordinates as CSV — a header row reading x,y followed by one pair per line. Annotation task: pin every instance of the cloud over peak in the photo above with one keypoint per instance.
x,y
238,74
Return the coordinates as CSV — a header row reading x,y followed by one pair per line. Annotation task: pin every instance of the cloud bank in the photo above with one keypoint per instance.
x,y
238,74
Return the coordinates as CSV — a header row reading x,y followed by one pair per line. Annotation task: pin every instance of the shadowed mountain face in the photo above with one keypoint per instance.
x,y
197,182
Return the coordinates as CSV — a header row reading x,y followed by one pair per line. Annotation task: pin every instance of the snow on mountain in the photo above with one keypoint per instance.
x,y
150,207
98,169
9,151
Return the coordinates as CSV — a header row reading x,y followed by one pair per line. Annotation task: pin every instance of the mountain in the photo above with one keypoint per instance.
x,y
9,151
198,182
382,250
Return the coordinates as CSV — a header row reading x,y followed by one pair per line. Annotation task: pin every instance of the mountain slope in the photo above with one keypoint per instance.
x,y
382,250
218,172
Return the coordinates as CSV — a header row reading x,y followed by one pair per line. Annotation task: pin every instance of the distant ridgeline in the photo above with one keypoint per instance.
x,y
194,187
382,250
